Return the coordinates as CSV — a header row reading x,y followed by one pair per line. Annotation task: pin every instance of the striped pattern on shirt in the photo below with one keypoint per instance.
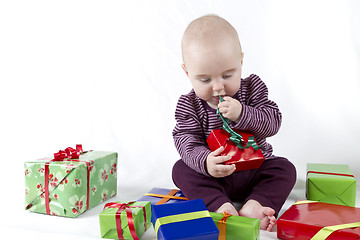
x,y
195,120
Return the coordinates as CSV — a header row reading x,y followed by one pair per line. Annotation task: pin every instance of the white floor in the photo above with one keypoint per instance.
x,y
18,223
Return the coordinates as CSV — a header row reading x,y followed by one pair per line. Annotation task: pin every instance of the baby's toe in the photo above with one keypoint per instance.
x,y
269,211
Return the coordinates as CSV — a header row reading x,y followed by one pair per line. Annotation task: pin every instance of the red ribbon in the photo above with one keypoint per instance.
x,y
330,173
127,207
70,154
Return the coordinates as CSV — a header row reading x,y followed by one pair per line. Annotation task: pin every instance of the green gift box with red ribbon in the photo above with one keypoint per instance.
x,y
71,182
125,220
331,183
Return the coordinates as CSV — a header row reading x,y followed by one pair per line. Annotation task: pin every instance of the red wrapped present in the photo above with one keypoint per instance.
x,y
317,221
244,155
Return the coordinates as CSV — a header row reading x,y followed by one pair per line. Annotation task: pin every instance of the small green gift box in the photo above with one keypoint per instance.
x,y
70,182
331,183
125,220
236,227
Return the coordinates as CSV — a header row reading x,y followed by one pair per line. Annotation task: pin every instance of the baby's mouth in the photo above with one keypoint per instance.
x,y
217,98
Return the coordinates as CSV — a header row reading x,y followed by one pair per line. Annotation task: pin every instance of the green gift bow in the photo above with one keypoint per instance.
x,y
234,136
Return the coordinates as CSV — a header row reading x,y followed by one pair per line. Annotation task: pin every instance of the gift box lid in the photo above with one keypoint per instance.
x,y
321,170
202,228
331,183
219,137
162,191
304,219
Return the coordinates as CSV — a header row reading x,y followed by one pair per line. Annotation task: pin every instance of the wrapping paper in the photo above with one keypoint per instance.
x,y
163,195
331,183
188,220
125,220
159,196
244,159
74,185
313,220
236,227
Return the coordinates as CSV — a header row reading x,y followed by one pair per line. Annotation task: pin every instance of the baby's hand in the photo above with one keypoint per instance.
x,y
230,108
214,164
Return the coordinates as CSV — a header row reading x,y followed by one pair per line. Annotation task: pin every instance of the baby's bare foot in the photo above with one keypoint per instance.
x,y
228,208
254,209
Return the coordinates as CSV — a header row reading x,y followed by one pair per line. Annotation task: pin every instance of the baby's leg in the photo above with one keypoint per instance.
x,y
272,184
195,185
254,209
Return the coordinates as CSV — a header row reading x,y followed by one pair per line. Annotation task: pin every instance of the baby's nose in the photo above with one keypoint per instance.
x,y
218,86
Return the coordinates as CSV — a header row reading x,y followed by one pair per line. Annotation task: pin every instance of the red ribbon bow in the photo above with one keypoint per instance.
x,y
70,154
127,207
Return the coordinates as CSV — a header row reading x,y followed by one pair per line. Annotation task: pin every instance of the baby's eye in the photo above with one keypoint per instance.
x,y
204,80
226,76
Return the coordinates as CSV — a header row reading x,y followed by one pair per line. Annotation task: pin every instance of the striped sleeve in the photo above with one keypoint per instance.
x,y
188,134
259,115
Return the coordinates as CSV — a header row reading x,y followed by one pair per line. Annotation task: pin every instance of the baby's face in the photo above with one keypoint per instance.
x,y
214,70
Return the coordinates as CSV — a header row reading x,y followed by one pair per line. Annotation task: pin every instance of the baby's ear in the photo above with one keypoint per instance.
x,y
185,70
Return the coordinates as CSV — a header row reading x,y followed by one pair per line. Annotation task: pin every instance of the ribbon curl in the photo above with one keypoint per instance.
x,y
234,136
70,154
127,207
226,216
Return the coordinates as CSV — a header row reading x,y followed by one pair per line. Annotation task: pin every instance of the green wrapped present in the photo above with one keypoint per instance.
x,y
331,183
125,220
236,227
71,182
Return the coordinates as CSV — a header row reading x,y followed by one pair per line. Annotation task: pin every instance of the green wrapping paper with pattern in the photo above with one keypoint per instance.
x,y
236,227
68,186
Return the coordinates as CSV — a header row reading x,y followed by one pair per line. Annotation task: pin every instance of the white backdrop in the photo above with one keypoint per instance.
x,y
108,74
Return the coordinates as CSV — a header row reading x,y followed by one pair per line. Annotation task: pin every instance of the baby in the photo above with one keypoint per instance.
x,y
212,60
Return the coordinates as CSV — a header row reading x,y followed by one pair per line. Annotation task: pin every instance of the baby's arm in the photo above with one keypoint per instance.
x,y
188,136
259,114
193,150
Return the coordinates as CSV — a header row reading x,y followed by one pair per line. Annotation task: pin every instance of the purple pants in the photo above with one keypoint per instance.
x,y
270,185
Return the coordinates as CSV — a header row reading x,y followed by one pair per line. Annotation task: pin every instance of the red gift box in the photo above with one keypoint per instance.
x,y
244,159
317,221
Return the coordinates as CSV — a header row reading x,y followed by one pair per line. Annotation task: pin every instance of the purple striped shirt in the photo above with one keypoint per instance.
x,y
195,120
